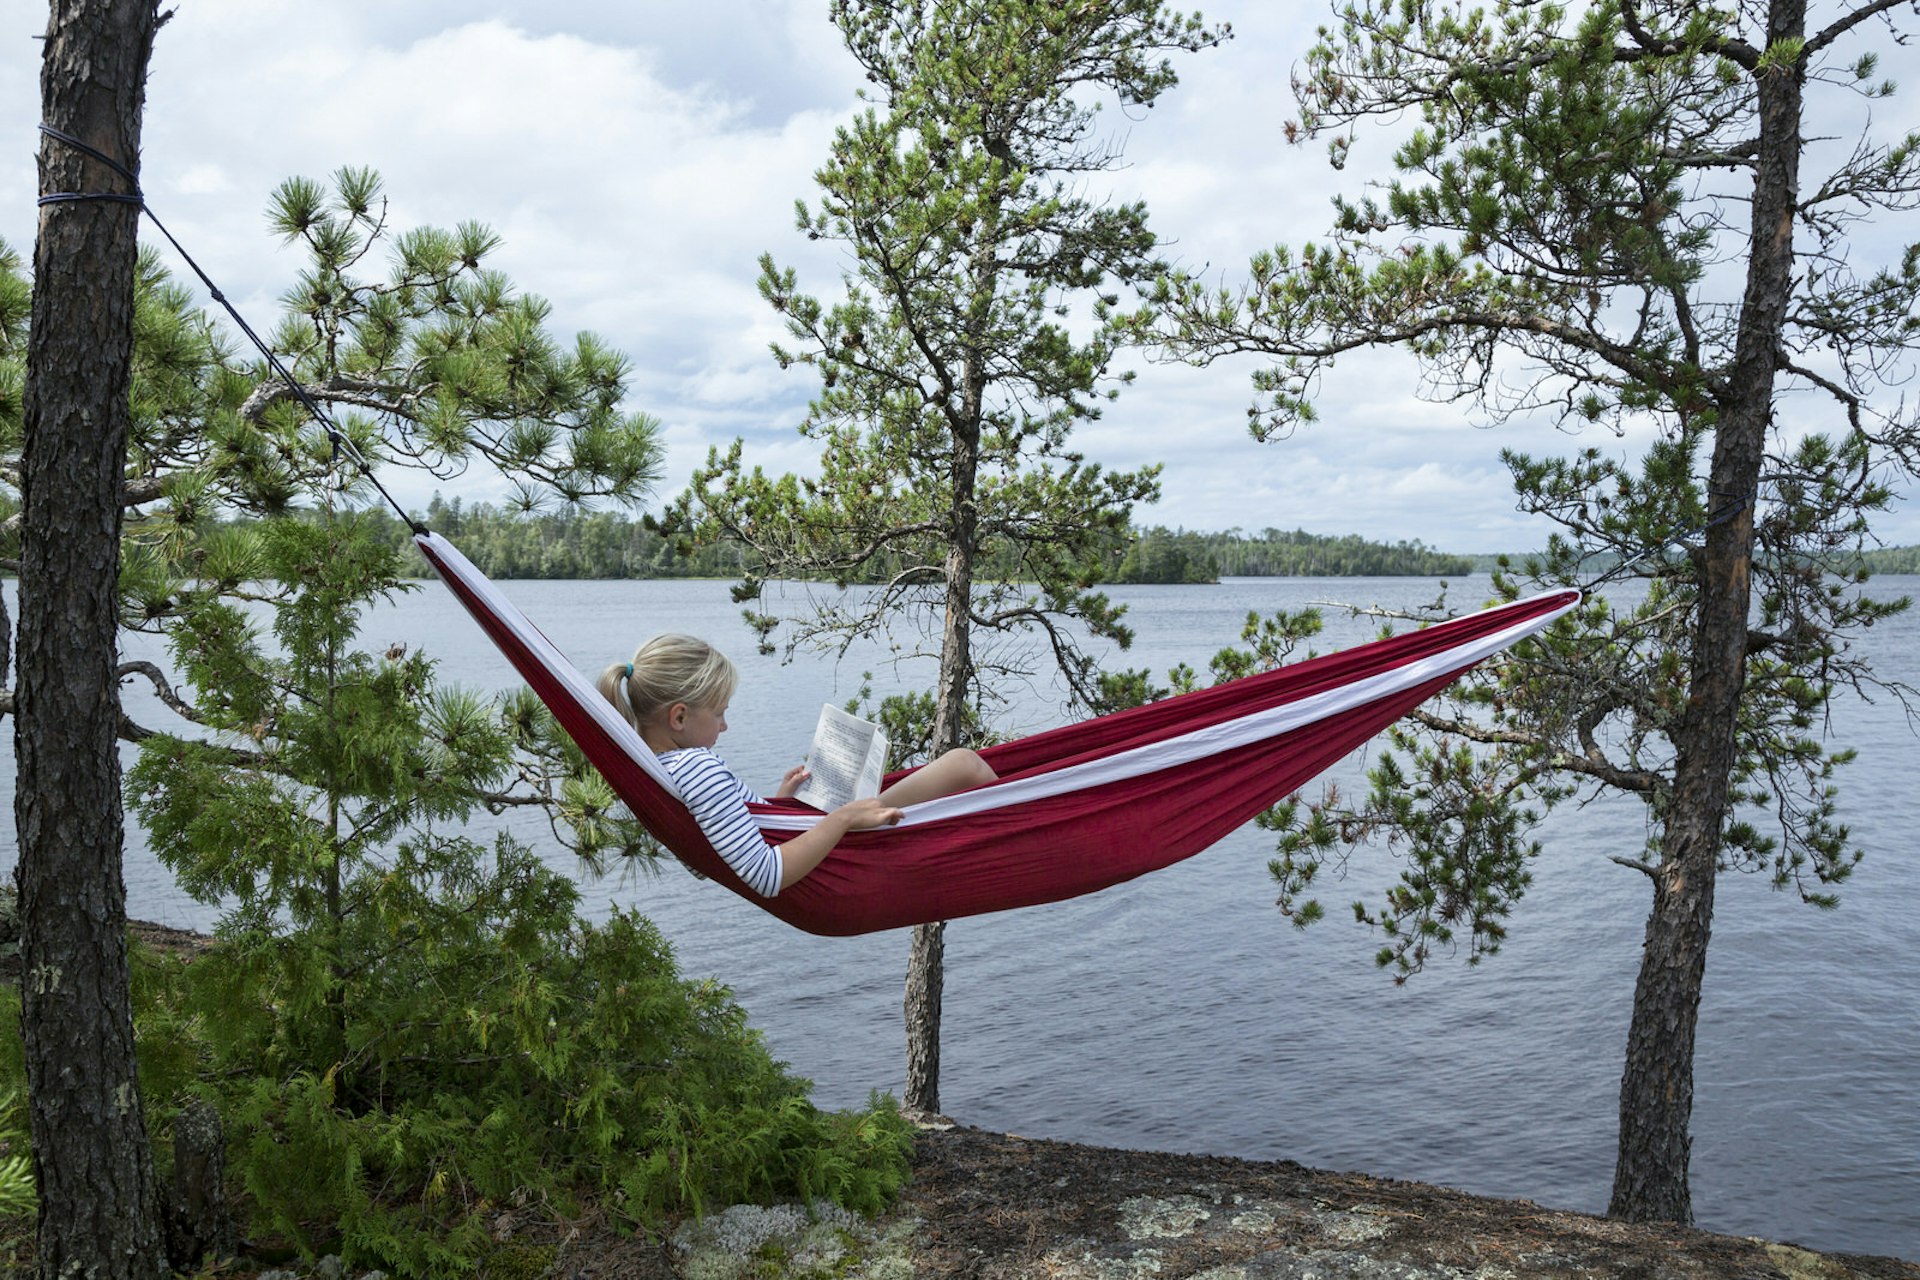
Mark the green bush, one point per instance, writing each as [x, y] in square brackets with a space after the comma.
[402, 1029]
[503, 1051]
[500, 1052]
[16, 1164]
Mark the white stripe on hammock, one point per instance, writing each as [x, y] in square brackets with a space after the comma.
[1198, 744]
[604, 713]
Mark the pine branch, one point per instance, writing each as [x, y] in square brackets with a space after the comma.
[1847, 22]
[1848, 399]
[161, 688]
[337, 389]
[1738, 51]
[1589, 762]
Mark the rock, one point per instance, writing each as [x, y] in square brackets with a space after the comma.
[1321, 1264]
[1004, 1206]
[749, 1241]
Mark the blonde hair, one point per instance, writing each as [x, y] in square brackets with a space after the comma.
[665, 670]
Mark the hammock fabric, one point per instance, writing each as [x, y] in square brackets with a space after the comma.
[1076, 809]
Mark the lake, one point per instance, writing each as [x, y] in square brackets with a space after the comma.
[1181, 1012]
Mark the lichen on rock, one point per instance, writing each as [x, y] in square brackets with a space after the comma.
[818, 1242]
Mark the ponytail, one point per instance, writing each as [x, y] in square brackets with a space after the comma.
[665, 670]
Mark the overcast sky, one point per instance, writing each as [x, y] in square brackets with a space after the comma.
[638, 158]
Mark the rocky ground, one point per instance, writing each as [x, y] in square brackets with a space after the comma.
[987, 1206]
[999, 1206]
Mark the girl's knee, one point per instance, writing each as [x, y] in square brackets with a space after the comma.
[970, 766]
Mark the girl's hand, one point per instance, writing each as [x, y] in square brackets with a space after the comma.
[795, 778]
[870, 812]
[800, 855]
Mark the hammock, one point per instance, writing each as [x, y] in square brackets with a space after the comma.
[1076, 809]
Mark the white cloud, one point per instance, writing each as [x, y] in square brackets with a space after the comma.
[638, 159]
[202, 180]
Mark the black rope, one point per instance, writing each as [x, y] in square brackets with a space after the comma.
[70, 197]
[88, 149]
[337, 437]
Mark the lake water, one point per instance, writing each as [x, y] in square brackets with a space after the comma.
[1180, 1012]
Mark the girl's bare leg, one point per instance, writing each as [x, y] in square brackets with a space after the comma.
[958, 770]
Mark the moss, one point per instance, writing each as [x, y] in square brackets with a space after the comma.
[514, 1261]
[1799, 1264]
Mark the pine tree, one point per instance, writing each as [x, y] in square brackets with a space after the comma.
[405, 1028]
[98, 1207]
[431, 360]
[950, 381]
[1603, 215]
[399, 1026]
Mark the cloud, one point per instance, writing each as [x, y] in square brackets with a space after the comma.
[638, 159]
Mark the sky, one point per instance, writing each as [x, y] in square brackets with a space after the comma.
[637, 159]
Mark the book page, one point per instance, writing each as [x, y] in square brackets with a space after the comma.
[847, 760]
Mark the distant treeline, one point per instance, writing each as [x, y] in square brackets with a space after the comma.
[575, 544]
[606, 544]
[1893, 560]
[1167, 555]
[603, 544]
[1877, 562]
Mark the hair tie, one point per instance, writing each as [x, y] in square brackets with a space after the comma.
[629, 671]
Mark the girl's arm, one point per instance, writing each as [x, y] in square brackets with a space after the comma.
[957, 770]
[804, 852]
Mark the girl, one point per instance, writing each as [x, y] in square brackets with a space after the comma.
[676, 691]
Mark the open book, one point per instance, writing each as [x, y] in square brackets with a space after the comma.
[847, 760]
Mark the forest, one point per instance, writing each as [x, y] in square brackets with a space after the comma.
[1158, 554]
[504, 543]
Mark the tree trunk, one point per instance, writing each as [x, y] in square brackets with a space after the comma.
[199, 1224]
[98, 1203]
[926, 978]
[926, 962]
[1656, 1086]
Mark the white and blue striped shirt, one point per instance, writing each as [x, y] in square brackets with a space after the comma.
[718, 801]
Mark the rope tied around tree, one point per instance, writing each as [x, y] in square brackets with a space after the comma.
[338, 438]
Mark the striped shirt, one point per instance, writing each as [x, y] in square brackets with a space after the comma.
[718, 801]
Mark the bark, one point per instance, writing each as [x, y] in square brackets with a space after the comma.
[98, 1212]
[199, 1224]
[1656, 1087]
[926, 962]
[926, 980]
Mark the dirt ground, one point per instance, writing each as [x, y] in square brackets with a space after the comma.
[992, 1205]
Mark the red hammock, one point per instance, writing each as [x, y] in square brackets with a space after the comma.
[1076, 809]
